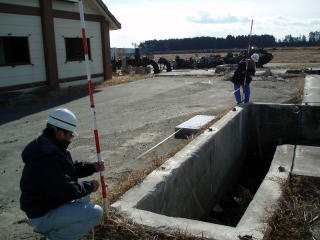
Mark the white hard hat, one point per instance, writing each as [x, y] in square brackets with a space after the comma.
[255, 57]
[63, 118]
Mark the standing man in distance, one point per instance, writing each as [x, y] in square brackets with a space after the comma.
[242, 77]
[56, 204]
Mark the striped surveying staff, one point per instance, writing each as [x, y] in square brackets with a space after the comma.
[92, 106]
[248, 55]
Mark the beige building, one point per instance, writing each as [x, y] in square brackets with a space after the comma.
[41, 45]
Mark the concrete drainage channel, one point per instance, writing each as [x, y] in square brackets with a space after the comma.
[253, 146]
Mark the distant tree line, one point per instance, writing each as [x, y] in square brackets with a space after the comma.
[240, 42]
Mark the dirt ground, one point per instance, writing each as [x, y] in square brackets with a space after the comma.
[132, 117]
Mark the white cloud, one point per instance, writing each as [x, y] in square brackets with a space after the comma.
[150, 19]
[206, 18]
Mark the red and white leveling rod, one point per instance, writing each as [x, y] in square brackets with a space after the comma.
[93, 110]
[248, 53]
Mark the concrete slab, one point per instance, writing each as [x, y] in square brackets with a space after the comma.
[279, 71]
[188, 72]
[307, 161]
[192, 125]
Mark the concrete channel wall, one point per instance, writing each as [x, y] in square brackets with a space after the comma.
[180, 192]
[285, 123]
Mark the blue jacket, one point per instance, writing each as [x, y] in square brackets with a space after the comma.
[50, 177]
[239, 74]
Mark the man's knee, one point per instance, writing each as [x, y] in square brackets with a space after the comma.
[97, 213]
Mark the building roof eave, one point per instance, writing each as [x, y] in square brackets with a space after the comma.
[114, 23]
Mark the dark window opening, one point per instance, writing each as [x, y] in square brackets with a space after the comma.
[14, 51]
[74, 49]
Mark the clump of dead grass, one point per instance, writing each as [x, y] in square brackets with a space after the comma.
[294, 215]
[120, 79]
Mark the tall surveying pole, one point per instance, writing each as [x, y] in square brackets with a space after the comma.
[248, 53]
[92, 106]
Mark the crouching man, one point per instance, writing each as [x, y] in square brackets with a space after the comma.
[56, 204]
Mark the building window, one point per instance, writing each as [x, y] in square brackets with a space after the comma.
[74, 49]
[14, 51]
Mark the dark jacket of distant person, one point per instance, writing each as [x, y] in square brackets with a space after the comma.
[239, 74]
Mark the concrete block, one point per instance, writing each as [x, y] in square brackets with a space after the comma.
[192, 125]
[307, 161]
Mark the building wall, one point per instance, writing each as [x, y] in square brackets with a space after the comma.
[20, 21]
[23, 25]
[65, 28]
[30, 3]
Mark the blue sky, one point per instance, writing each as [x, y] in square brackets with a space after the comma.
[163, 19]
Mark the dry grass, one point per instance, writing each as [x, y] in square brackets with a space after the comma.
[298, 207]
[121, 79]
[118, 226]
[295, 55]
